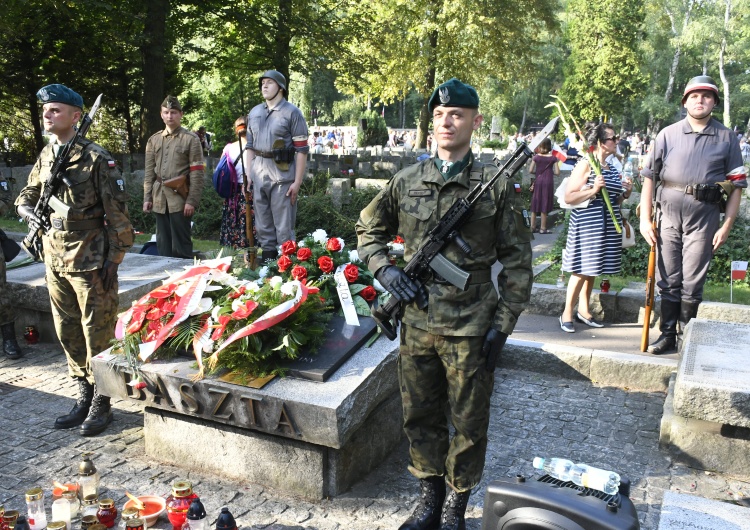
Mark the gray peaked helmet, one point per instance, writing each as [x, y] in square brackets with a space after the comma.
[276, 76]
[701, 82]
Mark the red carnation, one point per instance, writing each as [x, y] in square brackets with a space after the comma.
[325, 263]
[288, 248]
[368, 293]
[304, 254]
[284, 263]
[399, 239]
[351, 273]
[299, 273]
[333, 245]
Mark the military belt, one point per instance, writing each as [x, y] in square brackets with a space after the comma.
[264, 154]
[475, 278]
[687, 189]
[73, 226]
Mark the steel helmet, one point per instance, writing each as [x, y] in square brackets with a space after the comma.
[701, 82]
[276, 76]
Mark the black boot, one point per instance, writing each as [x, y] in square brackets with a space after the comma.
[688, 311]
[10, 344]
[426, 515]
[269, 254]
[81, 409]
[99, 416]
[667, 341]
[454, 509]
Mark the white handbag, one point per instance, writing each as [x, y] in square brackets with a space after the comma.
[628, 235]
[560, 194]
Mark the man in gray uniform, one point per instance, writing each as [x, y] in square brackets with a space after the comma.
[693, 163]
[275, 158]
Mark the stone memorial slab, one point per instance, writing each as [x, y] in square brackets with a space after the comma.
[713, 378]
[343, 340]
[680, 511]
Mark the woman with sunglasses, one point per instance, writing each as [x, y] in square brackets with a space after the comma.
[593, 246]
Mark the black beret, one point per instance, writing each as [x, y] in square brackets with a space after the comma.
[454, 93]
[60, 94]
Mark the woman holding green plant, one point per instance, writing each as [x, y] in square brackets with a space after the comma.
[594, 244]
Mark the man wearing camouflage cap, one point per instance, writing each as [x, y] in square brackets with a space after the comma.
[82, 250]
[275, 158]
[172, 153]
[449, 349]
[695, 164]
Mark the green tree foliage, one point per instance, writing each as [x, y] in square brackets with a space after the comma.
[603, 71]
[376, 132]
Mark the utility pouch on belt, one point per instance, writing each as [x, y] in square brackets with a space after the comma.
[282, 156]
[710, 193]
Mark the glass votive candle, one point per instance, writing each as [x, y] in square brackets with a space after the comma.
[107, 512]
[61, 512]
[75, 505]
[87, 521]
[90, 505]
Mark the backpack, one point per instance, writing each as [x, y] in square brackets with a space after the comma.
[225, 176]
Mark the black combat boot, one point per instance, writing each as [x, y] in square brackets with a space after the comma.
[426, 515]
[10, 344]
[269, 254]
[454, 509]
[99, 416]
[688, 311]
[667, 341]
[81, 409]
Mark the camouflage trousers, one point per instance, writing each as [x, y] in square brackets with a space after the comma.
[7, 313]
[441, 375]
[84, 315]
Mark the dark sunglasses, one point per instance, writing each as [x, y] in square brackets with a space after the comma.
[613, 138]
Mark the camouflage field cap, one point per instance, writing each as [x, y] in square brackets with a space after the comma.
[454, 93]
[60, 94]
[171, 102]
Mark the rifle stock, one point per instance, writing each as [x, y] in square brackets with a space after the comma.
[252, 253]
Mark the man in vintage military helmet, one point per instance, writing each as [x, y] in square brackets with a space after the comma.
[172, 153]
[448, 350]
[275, 161]
[696, 165]
[81, 252]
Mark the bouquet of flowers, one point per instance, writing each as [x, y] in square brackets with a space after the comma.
[320, 258]
[578, 140]
[249, 327]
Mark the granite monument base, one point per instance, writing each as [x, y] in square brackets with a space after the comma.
[298, 436]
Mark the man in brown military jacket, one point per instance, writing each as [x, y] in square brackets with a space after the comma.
[82, 251]
[448, 350]
[7, 312]
[170, 153]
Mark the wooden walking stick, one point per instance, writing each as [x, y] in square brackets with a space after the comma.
[251, 250]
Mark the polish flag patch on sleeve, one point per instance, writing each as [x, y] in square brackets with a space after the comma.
[517, 187]
[111, 163]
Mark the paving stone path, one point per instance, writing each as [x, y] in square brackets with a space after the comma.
[533, 415]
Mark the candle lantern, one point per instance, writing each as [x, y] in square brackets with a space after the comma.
[90, 506]
[87, 521]
[178, 503]
[605, 285]
[88, 477]
[107, 512]
[35, 504]
[9, 519]
[225, 520]
[126, 515]
[31, 334]
[75, 505]
[196, 517]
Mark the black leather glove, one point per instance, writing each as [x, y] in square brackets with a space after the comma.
[109, 274]
[27, 214]
[494, 341]
[395, 281]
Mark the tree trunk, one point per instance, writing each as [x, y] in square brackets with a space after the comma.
[35, 121]
[282, 39]
[722, 73]
[154, 51]
[428, 87]
[523, 119]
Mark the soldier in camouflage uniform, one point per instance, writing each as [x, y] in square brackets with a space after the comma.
[7, 313]
[448, 351]
[82, 251]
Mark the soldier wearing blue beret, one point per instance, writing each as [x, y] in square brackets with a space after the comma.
[448, 350]
[82, 253]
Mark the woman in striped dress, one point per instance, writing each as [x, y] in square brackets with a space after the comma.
[593, 246]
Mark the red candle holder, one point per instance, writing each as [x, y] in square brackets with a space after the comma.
[604, 285]
[178, 503]
[31, 334]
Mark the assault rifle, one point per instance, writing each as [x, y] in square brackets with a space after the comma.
[48, 200]
[428, 260]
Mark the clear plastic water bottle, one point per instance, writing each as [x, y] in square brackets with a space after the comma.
[580, 474]
[561, 281]
[628, 171]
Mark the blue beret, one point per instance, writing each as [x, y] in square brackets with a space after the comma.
[60, 94]
[454, 93]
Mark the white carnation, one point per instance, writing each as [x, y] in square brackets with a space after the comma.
[320, 236]
[354, 256]
[276, 282]
[263, 272]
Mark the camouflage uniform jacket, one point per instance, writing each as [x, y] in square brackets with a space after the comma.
[98, 193]
[6, 195]
[168, 156]
[412, 204]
